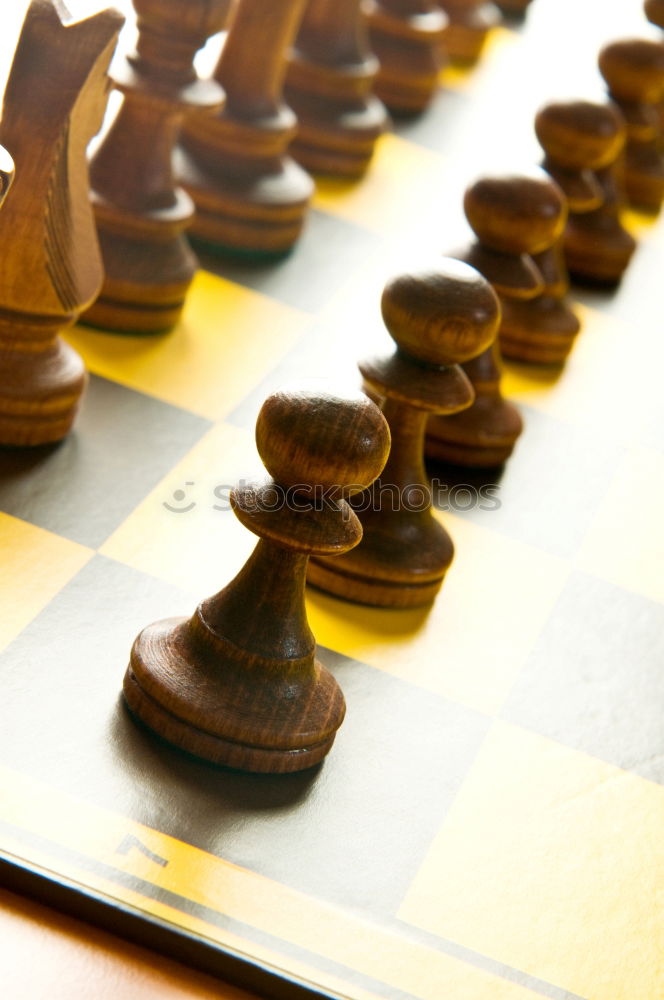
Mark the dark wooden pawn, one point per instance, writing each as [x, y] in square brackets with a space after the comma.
[407, 37]
[437, 319]
[251, 197]
[470, 22]
[582, 143]
[634, 73]
[542, 329]
[513, 217]
[141, 213]
[514, 8]
[50, 266]
[654, 11]
[329, 84]
[238, 683]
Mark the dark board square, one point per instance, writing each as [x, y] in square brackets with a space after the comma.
[594, 679]
[330, 248]
[534, 498]
[353, 830]
[84, 488]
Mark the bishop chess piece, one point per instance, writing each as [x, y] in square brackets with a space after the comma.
[251, 197]
[329, 84]
[141, 213]
[437, 319]
[238, 683]
[407, 36]
[470, 22]
[634, 73]
[583, 142]
[50, 266]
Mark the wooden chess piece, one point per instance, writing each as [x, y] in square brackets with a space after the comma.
[250, 196]
[654, 11]
[141, 214]
[50, 267]
[514, 8]
[407, 37]
[238, 683]
[329, 85]
[634, 73]
[513, 217]
[582, 143]
[437, 319]
[470, 22]
[542, 329]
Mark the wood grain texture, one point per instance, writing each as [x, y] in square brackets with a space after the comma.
[407, 36]
[542, 329]
[437, 318]
[141, 213]
[329, 84]
[513, 217]
[470, 22]
[634, 73]
[50, 268]
[583, 142]
[239, 683]
[250, 195]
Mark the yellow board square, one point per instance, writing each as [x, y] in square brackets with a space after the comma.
[552, 862]
[472, 642]
[228, 339]
[394, 196]
[625, 542]
[36, 564]
[184, 531]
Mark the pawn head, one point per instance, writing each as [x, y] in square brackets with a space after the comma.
[634, 69]
[443, 315]
[315, 441]
[522, 213]
[580, 134]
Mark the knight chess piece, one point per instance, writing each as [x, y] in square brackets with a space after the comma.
[251, 197]
[329, 84]
[239, 683]
[141, 213]
[50, 267]
[582, 143]
[407, 36]
[437, 318]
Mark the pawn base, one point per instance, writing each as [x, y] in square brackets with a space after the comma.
[209, 697]
[376, 593]
[539, 331]
[482, 436]
[597, 248]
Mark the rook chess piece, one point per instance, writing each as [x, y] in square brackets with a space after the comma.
[238, 683]
[407, 37]
[470, 22]
[250, 196]
[141, 213]
[582, 142]
[50, 266]
[329, 85]
[634, 73]
[437, 319]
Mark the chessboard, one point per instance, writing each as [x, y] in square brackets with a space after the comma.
[488, 824]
